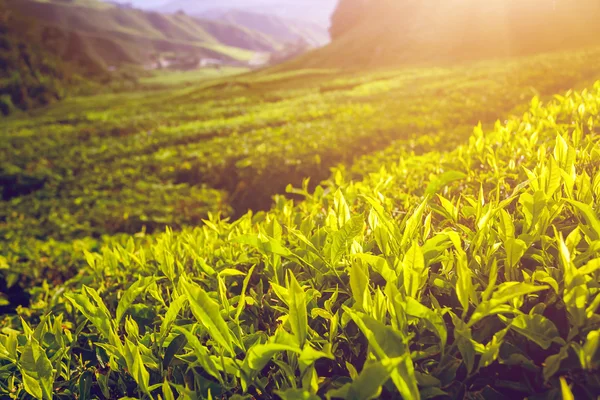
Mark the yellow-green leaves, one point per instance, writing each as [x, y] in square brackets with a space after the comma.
[564, 154]
[538, 329]
[412, 224]
[464, 284]
[468, 271]
[515, 249]
[508, 291]
[592, 223]
[202, 354]
[432, 318]
[136, 366]
[589, 353]
[131, 294]
[414, 272]
[359, 284]
[90, 304]
[36, 370]
[440, 181]
[374, 375]
[260, 354]
[208, 313]
[566, 390]
[342, 238]
[298, 317]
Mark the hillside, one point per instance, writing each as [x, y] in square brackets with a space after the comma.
[279, 29]
[386, 32]
[464, 264]
[30, 73]
[115, 36]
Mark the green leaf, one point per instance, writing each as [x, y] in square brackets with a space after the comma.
[464, 284]
[208, 313]
[310, 355]
[414, 270]
[359, 284]
[563, 153]
[171, 315]
[552, 363]
[538, 329]
[136, 366]
[590, 352]
[296, 394]
[506, 226]
[379, 265]
[554, 177]
[242, 301]
[440, 181]
[504, 293]
[384, 341]
[32, 386]
[592, 224]
[260, 354]
[344, 237]
[515, 249]
[201, 353]
[370, 380]
[176, 345]
[565, 389]
[492, 349]
[263, 243]
[92, 307]
[435, 247]
[85, 385]
[167, 392]
[36, 369]
[131, 294]
[464, 341]
[432, 319]
[298, 316]
[412, 224]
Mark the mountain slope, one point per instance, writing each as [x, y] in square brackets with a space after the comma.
[115, 36]
[388, 32]
[278, 29]
[30, 75]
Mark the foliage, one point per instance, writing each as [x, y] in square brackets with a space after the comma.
[471, 273]
[29, 76]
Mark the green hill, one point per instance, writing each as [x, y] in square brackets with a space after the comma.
[281, 30]
[30, 73]
[117, 36]
[390, 32]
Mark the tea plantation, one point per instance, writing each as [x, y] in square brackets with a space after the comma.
[439, 261]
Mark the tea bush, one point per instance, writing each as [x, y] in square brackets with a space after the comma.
[470, 273]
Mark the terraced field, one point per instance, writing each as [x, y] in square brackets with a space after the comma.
[437, 261]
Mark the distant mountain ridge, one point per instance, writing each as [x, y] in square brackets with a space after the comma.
[116, 36]
[278, 28]
[114, 33]
[315, 11]
[373, 33]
